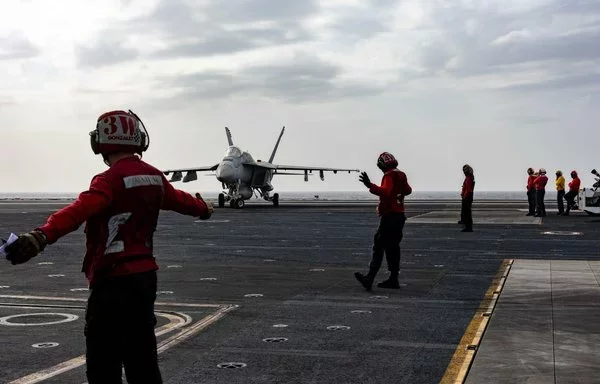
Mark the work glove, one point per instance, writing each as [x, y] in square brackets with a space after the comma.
[210, 207]
[27, 246]
[364, 178]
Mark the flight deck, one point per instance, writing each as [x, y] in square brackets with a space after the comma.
[267, 294]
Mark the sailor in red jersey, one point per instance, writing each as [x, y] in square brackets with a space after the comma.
[466, 194]
[121, 208]
[570, 196]
[394, 186]
[540, 191]
[530, 192]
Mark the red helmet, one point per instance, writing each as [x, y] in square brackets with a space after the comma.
[386, 161]
[119, 131]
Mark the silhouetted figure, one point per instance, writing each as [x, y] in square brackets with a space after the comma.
[394, 186]
[466, 194]
[560, 192]
[570, 196]
[540, 192]
[531, 191]
[121, 209]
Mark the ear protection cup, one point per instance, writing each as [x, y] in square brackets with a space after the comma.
[144, 142]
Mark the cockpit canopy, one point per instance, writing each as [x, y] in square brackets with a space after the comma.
[233, 151]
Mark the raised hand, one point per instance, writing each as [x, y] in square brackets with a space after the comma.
[364, 178]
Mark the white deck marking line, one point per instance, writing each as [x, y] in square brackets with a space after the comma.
[176, 320]
[83, 300]
[422, 214]
[186, 333]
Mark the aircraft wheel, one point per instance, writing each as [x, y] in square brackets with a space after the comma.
[239, 203]
[221, 200]
[276, 199]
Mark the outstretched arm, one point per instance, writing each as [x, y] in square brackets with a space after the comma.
[182, 202]
[89, 203]
[66, 220]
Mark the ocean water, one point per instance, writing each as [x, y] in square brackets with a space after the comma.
[317, 195]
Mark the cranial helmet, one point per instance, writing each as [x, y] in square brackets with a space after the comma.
[119, 131]
[467, 169]
[558, 172]
[573, 173]
[386, 161]
[530, 171]
[542, 171]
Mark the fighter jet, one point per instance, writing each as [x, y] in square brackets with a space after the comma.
[241, 177]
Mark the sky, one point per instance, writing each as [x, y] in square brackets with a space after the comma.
[499, 84]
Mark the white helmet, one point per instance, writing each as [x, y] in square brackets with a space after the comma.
[119, 131]
[542, 171]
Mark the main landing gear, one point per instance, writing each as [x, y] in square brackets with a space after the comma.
[233, 203]
[240, 203]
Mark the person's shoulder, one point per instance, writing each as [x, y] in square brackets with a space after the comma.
[107, 174]
[140, 166]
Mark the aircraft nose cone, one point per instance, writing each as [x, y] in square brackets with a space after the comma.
[225, 173]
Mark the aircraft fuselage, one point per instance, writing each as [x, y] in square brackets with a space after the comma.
[236, 172]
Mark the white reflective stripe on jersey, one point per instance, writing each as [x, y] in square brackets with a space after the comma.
[113, 229]
[142, 181]
[114, 247]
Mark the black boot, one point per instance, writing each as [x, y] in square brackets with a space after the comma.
[391, 282]
[366, 281]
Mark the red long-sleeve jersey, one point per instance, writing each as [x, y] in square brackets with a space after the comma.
[575, 184]
[394, 186]
[540, 182]
[121, 208]
[530, 181]
[468, 186]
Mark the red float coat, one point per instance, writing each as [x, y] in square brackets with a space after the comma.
[394, 186]
[121, 208]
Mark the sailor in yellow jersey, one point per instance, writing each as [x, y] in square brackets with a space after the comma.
[560, 191]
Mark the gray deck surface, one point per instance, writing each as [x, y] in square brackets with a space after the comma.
[297, 262]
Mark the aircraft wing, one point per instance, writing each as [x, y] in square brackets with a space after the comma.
[191, 173]
[307, 169]
[312, 168]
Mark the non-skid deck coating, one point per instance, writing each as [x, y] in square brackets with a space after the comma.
[290, 308]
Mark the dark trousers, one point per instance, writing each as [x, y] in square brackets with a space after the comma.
[540, 208]
[119, 331]
[570, 197]
[387, 240]
[466, 212]
[559, 200]
[531, 200]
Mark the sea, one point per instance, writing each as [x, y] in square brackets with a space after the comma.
[312, 196]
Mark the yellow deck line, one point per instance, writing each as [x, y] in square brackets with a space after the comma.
[457, 370]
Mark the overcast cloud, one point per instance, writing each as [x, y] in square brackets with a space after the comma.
[499, 84]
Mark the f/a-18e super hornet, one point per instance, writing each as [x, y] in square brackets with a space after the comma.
[241, 176]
